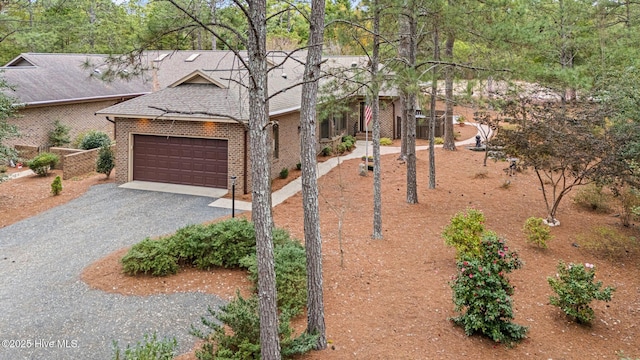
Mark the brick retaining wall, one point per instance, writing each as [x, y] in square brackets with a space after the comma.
[80, 163]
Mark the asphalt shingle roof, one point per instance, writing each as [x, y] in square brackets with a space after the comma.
[63, 78]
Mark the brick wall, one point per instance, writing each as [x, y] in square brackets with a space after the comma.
[289, 152]
[80, 163]
[35, 123]
[233, 132]
[26, 152]
[62, 152]
[389, 110]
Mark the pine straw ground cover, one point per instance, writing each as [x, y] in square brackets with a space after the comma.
[390, 298]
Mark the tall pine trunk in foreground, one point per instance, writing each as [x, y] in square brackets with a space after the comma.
[261, 184]
[375, 113]
[308, 141]
[407, 52]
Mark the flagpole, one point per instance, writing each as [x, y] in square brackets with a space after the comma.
[366, 145]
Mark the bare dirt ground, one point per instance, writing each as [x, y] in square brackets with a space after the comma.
[390, 298]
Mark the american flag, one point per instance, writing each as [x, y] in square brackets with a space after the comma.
[367, 115]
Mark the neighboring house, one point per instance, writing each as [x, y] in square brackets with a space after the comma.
[192, 131]
[62, 87]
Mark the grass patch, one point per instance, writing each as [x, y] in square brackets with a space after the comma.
[608, 243]
[592, 198]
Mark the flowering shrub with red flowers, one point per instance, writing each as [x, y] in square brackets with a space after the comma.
[482, 292]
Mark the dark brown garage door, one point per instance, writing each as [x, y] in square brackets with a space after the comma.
[180, 160]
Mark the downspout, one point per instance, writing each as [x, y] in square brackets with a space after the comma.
[245, 167]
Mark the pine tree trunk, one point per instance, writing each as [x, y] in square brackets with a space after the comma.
[432, 122]
[261, 181]
[404, 49]
[407, 51]
[308, 141]
[449, 136]
[375, 113]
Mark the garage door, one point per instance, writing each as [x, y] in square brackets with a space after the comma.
[179, 160]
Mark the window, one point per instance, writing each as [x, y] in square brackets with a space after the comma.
[325, 128]
[276, 141]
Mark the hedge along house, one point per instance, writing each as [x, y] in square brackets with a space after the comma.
[63, 87]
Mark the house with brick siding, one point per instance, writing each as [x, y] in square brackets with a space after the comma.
[64, 87]
[193, 129]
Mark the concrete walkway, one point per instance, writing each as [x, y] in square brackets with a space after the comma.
[295, 186]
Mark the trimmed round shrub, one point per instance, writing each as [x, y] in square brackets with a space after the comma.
[42, 163]
[284, 173]
[537, 232]
[465, 232]
[56, 186]
[106, 161]
[94, 139]
[386, 141]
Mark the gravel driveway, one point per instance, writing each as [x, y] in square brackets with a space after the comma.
[51, 314]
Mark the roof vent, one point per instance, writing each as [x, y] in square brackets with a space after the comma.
[192, 57]
[97, 71]
[354, 64]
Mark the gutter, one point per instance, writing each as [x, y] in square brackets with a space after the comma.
[80, 100]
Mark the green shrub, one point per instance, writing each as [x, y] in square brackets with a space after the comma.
[149, 256]
[386, 141]
[483, 293]
[536, 232]
[298, 166]
[59, 136]
[242, 342]
[78, 140]
[229, 242]
[106, 161]
[3, 169]
[575, 290]
[465, 232]
[94, 139]
[438, 141]
[327, 151]
[56, 186]
[592, 198]
[291, 274]
[341, 148]
[629, 199]
[284, 173]
[150, 349]
[349, 138]
[190, 243]
[223, 243]
[43, 162]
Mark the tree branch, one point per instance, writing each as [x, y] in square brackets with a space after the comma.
[166, 111]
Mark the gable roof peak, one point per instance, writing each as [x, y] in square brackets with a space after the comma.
[20, 61]
[198, 77]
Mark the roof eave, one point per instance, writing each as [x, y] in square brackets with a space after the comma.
[81, 100]
[117, 116]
